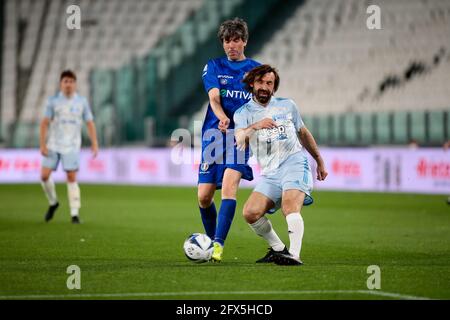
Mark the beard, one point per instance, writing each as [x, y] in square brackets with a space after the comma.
[262, 96]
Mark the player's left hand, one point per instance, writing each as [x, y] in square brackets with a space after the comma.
[224, 124]
[321, 172]
[241, 145]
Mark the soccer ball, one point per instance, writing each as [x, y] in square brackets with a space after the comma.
[198, 247]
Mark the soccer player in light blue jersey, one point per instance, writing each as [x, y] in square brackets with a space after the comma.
[278, 138]
[221, 165]
[63, 118]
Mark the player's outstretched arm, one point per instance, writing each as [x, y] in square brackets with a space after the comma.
[92, 132]
[43, 136]
[307, 140]
[216, 106]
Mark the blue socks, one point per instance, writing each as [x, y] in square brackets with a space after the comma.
[209, 216]
[226, 215]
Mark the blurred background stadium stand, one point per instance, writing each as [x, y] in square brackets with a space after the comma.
[140, 63]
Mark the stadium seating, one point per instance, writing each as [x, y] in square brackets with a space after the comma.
[366, 125]
[330, 63]
[436, 126]
[354, 86]
[112, 33]
[418, 127]
[382, 129]
[400, 127]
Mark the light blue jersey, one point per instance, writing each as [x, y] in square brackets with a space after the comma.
[66, 115]
[272, 146]
[282, 158]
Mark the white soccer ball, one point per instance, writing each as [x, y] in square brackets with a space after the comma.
[198, 247]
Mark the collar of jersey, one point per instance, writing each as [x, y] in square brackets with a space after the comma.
[257, 105]
[236, 64]
[61, 95]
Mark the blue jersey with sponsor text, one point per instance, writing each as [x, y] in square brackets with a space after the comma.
[226, 75]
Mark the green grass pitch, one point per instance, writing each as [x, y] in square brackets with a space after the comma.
[130, 247]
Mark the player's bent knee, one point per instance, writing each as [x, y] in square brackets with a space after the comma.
[290, 207]
[71, 178]
[251, 213]
[45, 176]
[205, 200]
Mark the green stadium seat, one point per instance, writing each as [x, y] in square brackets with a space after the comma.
[124, 98]
[436, 133]
[366, 120]
[212, 7]
[417, 123]
[350, 128]
[226, 7]
[187, 38]
[103, 82]
[383, 127]
[335, 123]
[323, 129]
[400, 127]
[23, 135]
[447, 124]
[203, 29]
[19, 135]
[34, 139]
[308, 121]
[176, 54]
[314, 127]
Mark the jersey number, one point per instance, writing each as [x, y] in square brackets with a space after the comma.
[269, 146]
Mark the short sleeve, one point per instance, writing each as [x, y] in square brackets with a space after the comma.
[296, 118]
[240, 118]
[49, 110]
[87, 113]
[209, 76]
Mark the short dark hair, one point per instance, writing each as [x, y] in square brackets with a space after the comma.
[233, 29]
[257, 73]
[68, 74]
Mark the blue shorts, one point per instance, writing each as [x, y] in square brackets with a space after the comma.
[293, 173]
[213, 173]
[70, 161]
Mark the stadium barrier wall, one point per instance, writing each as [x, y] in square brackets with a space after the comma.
[351, 169]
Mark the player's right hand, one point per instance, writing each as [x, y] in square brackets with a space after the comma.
[94, 149]
[44, 151]
[265, 123]
[321, 172]
[224, 123]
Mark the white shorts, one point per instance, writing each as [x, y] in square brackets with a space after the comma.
[293, 173]
[70, 161]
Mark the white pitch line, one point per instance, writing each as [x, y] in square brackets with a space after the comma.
[201, 293]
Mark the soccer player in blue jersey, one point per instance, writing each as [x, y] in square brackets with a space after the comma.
[222, 167]
[63, 118]
[278, 137]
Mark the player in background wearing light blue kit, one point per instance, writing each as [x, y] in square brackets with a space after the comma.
[277, 136]
[64, 114]
[222, 167]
